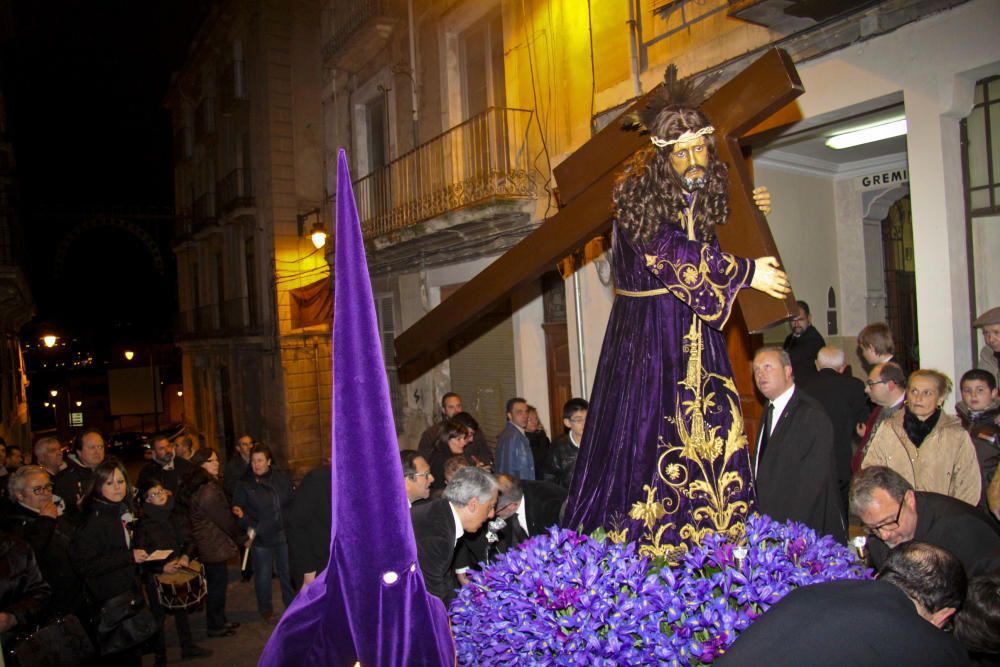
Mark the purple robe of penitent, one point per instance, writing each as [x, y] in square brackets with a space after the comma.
[664, 455]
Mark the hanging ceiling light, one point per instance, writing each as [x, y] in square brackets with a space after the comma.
[870, 133]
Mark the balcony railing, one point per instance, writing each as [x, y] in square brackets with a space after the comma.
[483, 158]
[235, 190]
[347, 18]
[203, 211]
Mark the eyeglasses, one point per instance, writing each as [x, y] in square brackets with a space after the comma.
[420, 474]
[872, 383]
[577, 420]
[39, 490]
[158, 494]
[886, 525]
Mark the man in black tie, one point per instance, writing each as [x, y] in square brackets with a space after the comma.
[794, 464]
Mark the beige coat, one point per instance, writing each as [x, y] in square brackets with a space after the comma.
[945, 463]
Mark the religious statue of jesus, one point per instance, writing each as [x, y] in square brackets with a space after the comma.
[664, 456]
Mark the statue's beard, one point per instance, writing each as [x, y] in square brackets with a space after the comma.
[694, 178]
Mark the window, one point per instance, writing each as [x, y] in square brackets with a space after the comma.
[982, 148]
[387, 334]
[482, 66]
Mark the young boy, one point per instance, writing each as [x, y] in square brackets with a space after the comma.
[567, 446]
[978, 410]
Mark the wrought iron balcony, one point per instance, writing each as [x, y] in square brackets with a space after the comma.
[235, 190]
[358, 30]
[482, 159]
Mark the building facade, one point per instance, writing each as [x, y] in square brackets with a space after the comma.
[248, 139]
[453, 116]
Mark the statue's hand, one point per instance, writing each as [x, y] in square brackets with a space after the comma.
[762, 198]
[769, 279]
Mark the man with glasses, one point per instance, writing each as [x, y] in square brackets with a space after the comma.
[893, 513]
[417, 477]
[36, 517]
[886, 387]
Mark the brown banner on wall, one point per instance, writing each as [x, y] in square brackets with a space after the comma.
[312, 304]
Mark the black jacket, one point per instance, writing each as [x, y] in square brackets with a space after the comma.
[72, 482]
[836, 623]
[308, 523]
[434, 530]
[264, 501]
[50, 540]
[802, 351]
[797, 475]
[843, 398]
[101, 554]
[235, 471]
[168, 479]
[954, 525]
[23, 592]
[163, 528]
[562, 460]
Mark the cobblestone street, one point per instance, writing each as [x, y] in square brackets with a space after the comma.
[241, 649]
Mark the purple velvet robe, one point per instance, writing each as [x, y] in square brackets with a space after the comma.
[664, 454]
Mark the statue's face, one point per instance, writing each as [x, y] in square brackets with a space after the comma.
[689, 160]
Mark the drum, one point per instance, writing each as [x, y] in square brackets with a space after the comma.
[182, 590]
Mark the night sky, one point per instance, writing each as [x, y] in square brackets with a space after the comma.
[84, 84]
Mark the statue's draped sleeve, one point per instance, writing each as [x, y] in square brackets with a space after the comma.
[700, 274]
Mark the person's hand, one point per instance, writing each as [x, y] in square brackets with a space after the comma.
[7, 621]
[463, 579]
[140, 555]
[184, 561]
[860, 429]
[50, 510]
[238, 511]
[171, 567]
[308, 578]
[762, 198]
[769, 279]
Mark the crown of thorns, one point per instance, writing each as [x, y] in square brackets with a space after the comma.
[672, 95]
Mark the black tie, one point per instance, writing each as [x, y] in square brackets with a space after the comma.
[519, 534]
[765, 433]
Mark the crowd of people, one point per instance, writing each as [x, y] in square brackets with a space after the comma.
[95, 554]
[83, 541]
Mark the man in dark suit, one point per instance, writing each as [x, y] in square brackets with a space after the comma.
[895, 514]
[896, 620]
[529, 508]
[469, 500]
[886, 387]
[843, 398]
[803, 343]
[166, 467]
[794, 462]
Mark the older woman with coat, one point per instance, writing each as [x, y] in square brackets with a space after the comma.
[215, 534]
[927, 447]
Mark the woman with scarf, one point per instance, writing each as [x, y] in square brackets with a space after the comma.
[928, 447]
[262, 500]
[105, 555]
[162, 528]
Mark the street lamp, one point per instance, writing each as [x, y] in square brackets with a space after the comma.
[49, 340]
[129, 354]
[53, 392]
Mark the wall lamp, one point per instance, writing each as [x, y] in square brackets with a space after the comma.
[316, 232]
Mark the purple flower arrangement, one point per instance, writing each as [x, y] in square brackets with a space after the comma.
[567, 599]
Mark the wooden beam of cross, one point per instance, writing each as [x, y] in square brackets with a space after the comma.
[585, 182]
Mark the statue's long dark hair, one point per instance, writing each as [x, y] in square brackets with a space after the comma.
[648, 193]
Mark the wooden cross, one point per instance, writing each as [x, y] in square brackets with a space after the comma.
[586, 180]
